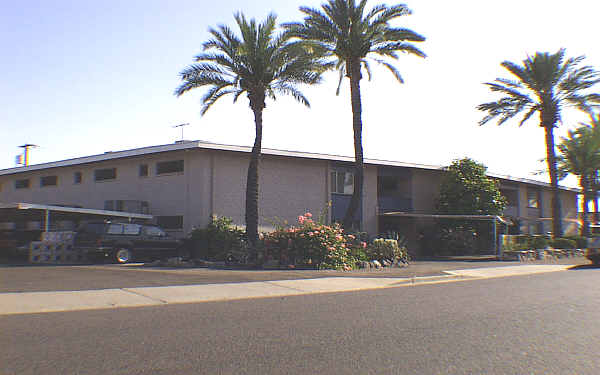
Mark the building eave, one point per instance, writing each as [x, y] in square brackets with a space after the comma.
[198, 145]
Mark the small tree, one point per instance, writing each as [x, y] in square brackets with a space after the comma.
[466, 190]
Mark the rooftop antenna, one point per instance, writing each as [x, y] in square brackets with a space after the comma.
[25, 158]
[181, 126]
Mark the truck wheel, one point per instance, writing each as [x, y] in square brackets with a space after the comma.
[123, 255]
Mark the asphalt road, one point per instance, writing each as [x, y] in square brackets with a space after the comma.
[41, 278]
[538, 324]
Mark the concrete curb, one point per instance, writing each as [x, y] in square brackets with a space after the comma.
[39, 302]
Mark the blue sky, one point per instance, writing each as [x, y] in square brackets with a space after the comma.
[84, 77]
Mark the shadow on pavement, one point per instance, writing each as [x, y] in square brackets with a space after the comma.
[583, 267]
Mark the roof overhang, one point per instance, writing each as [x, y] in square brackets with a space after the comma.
[203, 145]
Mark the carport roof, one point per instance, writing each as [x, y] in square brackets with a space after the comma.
[28, 210]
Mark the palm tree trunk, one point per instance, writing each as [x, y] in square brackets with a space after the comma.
[585, 186]
[596, 197]
[557, 230]
[252, 186]
[355, 76]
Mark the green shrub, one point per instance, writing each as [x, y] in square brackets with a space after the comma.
[382, 248]
[531, 242]
[538, 242]
[218, 240]
[580, 241]
[563, 243]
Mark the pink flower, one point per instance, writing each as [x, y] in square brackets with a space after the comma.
[308, 214]
[351, 237]
[364, 245]
[301, 219]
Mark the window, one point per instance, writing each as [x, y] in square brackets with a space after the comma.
[170, 222]
[387, 185]
[143, 170]
[533, 198]
[77, 177]
[48, 181]
[22, 184]
[154, 232]
[342, 182]
[115, 229]
[105, 174]
[113, 205]
[175, 166]
[132, 229]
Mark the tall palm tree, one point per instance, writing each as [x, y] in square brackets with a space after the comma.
[349, 36]
[260, 63]
[544, 84]
[579, 154]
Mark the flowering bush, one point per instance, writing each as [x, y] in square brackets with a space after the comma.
[311, 243]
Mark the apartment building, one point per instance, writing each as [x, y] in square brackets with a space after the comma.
[183, 184]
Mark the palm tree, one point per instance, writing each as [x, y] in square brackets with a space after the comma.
[595, 123]
[579, 154]
[544, 84]
[348, 36]
[259, 63]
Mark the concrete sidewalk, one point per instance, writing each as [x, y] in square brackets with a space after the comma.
[55, 301]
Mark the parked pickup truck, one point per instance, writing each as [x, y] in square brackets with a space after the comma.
[125, 242]
[593, 251]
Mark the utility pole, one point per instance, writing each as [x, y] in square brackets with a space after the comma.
[26, 148]
[181, 126]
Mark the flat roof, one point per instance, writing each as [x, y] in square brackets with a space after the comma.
[191, 145]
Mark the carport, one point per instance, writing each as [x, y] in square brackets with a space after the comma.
[495, 220]
[21, 213]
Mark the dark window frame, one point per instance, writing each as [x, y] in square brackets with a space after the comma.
[335, 182]
[170, 167]
[46, 181]
[24, 183]
[143, 170]
[99, 175]
[531, 198]
[77, 178]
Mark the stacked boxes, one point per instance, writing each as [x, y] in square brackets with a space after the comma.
[55, 248]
